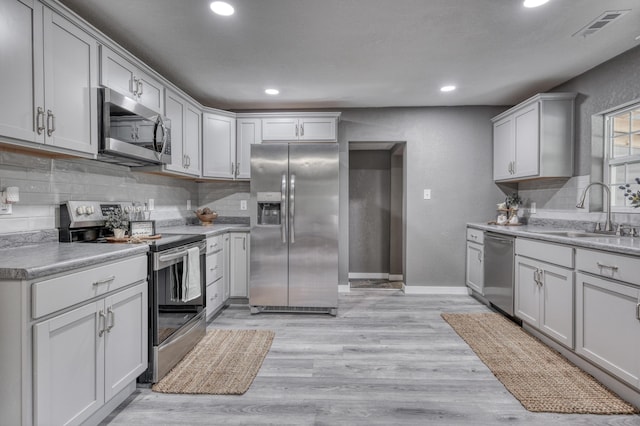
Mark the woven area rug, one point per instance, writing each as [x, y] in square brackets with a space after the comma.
[539, 377]
[224, 362]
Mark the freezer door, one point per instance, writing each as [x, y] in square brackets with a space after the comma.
[269, 236]
[313, 225]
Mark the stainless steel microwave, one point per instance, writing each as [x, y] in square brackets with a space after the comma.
[130, 133]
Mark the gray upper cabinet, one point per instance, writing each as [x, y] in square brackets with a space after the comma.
[186, 135]
[316, 127]
[49, 72]
[119, 74]
[218, 145]
[535, 139]
[249, 132]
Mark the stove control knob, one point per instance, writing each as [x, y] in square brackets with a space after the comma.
[90, 210]
[80, 210]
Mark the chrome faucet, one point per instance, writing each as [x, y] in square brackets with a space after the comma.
[608, 225]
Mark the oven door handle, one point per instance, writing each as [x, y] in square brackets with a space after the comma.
[173, 256]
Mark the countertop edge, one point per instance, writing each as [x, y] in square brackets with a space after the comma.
[621, 245]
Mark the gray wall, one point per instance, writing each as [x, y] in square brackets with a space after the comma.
[369, 211]
[448, 150]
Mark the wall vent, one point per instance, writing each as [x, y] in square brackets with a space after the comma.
[600, 22]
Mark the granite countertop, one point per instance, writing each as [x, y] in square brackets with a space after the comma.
[208, 230]
[613, 243]
[39, 260]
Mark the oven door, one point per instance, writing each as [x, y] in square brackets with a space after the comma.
[170, 312]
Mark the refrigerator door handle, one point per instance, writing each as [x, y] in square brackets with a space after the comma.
[292, 208]
[283, 214]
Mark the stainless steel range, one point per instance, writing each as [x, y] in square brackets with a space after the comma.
[176, 321]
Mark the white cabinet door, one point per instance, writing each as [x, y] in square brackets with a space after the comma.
[239, 264]
[527, 141]
[475, 267]
[49, 72]
[608, 326]
[280, 129]
[214, 298]
[126, 344]
[218, 146]
[527, 291]
[68, 366]
[175, 111]
[21, 33]
[317, 129]
[556, 304]
[122, 76]
[503, 148]
[249, 132]
[192, 139]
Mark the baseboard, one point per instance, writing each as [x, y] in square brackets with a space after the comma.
[396, 277]
[344, 288]
[413, 289]
[368, 275]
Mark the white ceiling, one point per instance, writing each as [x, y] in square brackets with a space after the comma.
[364, 53]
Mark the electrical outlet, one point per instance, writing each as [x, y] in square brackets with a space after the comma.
[188, 204]
[6, 208]
[532, 209]
[151, 205]
[427, 194]
[243, 204]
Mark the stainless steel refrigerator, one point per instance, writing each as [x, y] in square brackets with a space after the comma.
[294, 228]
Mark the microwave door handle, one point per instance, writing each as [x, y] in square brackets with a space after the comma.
[159, 123]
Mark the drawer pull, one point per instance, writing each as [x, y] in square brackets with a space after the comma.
[603, 266]
[638, 311]
[105, 281]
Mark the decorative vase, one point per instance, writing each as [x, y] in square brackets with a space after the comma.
[118, 233]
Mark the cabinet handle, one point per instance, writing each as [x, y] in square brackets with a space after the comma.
[237, 169]
[296, 130]
[302, 129]
[134, 86]
[140, 88]
[244, 243]
[101, 319]
[479, 257]
[40, 120]
[232, 168]
[638, 311]
[188, 161]
[51, 118]
[603, 266]
[104, 281]
[113, 319]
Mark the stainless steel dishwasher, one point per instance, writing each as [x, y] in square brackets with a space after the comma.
[498, 271]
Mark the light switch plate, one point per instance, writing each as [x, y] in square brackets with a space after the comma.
[427, 194]
[532, 209]
[188, 204]
[151, 205]
[6, 208]
[243, 204]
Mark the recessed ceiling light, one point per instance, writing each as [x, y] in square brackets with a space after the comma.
[222, 8]
[534, 3]
[447, 88]
[271, 91]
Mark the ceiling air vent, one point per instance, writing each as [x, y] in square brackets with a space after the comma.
[600, 22]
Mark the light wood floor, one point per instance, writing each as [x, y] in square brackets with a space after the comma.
[386, 359]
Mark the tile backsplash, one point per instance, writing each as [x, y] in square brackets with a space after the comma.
[45, 182]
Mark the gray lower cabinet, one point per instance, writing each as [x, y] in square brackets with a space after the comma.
[544, 292]
[608, 326]
[216, 271]
[474, 276]
[239, 264]
[72, 344]
[85, 357]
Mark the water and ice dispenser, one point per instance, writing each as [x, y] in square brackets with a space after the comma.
[269, 208]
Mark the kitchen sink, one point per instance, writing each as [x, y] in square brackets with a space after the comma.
[576, 234]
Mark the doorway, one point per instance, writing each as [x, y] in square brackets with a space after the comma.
[376, 215]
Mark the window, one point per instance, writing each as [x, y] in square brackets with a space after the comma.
[622, 154]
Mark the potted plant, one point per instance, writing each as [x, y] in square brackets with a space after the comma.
[117, 221]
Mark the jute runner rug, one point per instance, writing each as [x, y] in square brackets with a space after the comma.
[224, 362]
[539, 377]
